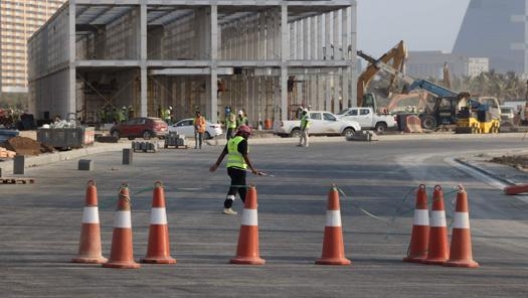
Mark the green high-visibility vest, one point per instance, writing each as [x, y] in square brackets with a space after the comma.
[305, 122]
[235, 158]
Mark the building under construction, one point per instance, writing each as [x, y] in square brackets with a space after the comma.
[266, 57]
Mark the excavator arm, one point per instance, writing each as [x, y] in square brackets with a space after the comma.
[391, 62]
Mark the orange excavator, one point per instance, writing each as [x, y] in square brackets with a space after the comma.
[391, 62]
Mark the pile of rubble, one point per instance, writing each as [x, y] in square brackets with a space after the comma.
[24, 146]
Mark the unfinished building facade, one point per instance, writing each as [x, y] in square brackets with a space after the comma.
[267, 58]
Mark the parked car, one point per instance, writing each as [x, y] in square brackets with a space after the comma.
[141, 127]
[322, 123]
[507, 115]
[186, 127]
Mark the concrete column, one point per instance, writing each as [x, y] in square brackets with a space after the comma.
[352, 50]
[212, 104]
[284, 64]
[72, 74]
[143, 110]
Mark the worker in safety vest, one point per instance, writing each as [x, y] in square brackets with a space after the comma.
[199, 130]
[237, 151]
[230, 124]
[241, 119]
[305, 124]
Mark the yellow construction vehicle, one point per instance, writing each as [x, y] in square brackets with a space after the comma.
[391, 63]
[478, 115]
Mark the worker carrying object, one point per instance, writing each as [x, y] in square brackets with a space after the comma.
[237, 151]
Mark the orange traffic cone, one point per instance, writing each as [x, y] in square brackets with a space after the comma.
[438, 245]
[158, 251]
[516, 189]
[333, 246]
[90, 243]
[417, 251]
[461, 253]
[248, 239]
[122, 252]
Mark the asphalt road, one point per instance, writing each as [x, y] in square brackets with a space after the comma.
[40, 223]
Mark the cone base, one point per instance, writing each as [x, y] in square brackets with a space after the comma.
[438, 261]
[161, 260]
[414, 260]
[89, 260]
[122, 265]
[333, 261]
[462, 263]
[247, 261]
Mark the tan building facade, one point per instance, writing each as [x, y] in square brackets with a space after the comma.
[19, 19]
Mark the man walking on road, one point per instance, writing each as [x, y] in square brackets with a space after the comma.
[305, 124]
[236, 149]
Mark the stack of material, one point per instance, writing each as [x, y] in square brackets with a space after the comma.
[4, 153]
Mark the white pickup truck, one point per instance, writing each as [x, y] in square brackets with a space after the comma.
[321, 123]
[368, 119]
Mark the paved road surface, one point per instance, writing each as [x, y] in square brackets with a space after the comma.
[40, 223]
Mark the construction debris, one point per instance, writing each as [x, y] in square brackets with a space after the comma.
[4, 153]
[26, 146]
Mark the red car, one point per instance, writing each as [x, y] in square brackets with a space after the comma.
[142, 127]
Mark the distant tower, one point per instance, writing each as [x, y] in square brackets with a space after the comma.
[497, 30]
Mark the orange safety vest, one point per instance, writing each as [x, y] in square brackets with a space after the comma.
[199, 124]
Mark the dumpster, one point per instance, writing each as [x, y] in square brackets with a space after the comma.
[64, 138]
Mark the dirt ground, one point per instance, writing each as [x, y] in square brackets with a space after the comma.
[517, 161]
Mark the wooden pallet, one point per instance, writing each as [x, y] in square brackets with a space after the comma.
[16, 180]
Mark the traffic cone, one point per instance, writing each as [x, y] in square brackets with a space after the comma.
[516, 189]
[158, 251]
[438, 251]
[248, 239]
[333, 246]
[90, 243]
[417, 251]
[461, 253]
[122, 252]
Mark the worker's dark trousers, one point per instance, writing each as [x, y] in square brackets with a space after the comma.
[229, 133]
[238, 183]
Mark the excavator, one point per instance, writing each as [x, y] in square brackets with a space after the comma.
[391, 62]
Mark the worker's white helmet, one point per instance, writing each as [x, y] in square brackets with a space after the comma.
[170, 108]
[240, 112]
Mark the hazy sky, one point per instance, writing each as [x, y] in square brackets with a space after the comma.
[422, 24]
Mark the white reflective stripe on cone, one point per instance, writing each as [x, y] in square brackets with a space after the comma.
[421, 217]
[158, 216]
[461, 220]
[333, 218]
[91, 215]
[250, 217]
[438, 219]
[122, 219]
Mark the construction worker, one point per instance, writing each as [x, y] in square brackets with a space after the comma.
[199, 129]
[167, 116]
[241, 119]
[230, 123]
[237, 151]
[305, 124]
